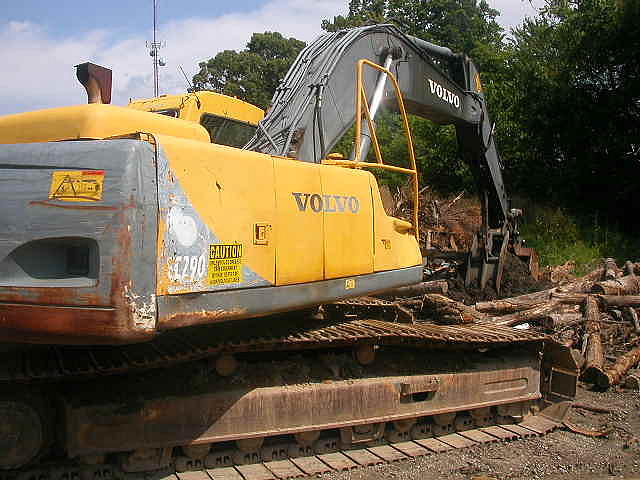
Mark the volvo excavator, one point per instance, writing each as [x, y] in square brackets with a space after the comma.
[159, 280]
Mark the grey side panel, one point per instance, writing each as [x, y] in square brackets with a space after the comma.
[186, 239]
[191, 309]
[312, 108]
[120, 230]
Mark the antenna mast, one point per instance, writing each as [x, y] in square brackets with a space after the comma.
[154, 48]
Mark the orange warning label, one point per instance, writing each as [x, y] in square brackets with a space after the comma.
[77, 185]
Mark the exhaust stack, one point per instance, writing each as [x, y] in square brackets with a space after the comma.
[96, 80]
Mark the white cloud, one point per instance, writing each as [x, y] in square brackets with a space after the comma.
[513, 11]
[38, 72]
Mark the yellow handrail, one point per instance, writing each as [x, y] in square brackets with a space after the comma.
[361, 100]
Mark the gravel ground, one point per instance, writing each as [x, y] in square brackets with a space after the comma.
[560, 455]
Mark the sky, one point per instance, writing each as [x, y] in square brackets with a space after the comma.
[41, 41]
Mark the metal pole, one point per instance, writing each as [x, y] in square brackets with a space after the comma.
[154, 47]
[376, 101]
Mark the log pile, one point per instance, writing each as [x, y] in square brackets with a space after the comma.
[597, 315]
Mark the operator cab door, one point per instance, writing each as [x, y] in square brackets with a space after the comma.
[299, 229]
[324, 226]
[348, 222]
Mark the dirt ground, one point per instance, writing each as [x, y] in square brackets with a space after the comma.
[561, 454]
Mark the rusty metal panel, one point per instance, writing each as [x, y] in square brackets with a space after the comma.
[387, 453]
[195, 475]
[456, 441]
[210, 307]
[233, 414]
[255, 472]
[500, 433]
[539, 424]
[363, 457]
[411, 449]
[434, 445]
[478, 436]
[311, 465]
[284, 469]
[115, 232]
[518, 430]
[337, 461]
[225, 473]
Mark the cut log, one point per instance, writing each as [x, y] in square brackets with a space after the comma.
[606, 300]
[532, 300]
[614, 375]
[555, 321]
[629, 285]
[435, 286]
[630, 314]
[594, 353]
[570, 298]
[410, 302]
[610, 269]
[507, 305]
[629, 267]
[447, 311]
[536, 314]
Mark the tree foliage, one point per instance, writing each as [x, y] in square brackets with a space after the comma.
[563, 89]
[467, 26]
[575, 106]
[252, 74]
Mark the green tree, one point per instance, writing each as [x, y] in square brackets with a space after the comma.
[252, 74]
[467, 26]
[575, 105]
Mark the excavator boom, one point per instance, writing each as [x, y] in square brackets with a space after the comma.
[314, 107]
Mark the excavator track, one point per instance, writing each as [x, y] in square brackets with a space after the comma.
[217, 466]
[55, 363]
[293, 397]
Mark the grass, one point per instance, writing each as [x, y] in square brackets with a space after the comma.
[559, 236]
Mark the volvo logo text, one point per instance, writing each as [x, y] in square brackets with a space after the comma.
[326, 203]
[444, 94]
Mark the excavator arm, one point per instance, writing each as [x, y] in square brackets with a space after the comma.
[314, 106]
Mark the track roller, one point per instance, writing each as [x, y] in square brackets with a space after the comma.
[25, 430]
[225, 365]
[365, 354]
[248, 451]
[483, 417]
[462, 422]
[400, 430]
[421, 430]
[443, 423]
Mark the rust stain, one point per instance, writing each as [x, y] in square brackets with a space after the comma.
[73, 207]
[185, 319]
[51, 296]
[22, 323]
[71, 316]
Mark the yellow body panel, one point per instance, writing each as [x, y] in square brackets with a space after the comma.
[231, 190]
[91, 122]
[191, 106]
[296, 222]
[298, 234]
[392, 248]
[348, 222]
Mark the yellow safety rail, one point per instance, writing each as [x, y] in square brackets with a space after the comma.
[362, 106]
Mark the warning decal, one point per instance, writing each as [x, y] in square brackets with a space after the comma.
[77, 185]
[225, 263]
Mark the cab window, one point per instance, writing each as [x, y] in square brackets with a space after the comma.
[226, 131]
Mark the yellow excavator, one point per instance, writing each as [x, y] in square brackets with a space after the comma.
[149, 255]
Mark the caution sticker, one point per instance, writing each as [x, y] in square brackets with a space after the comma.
[77, 185]
[225, 264]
